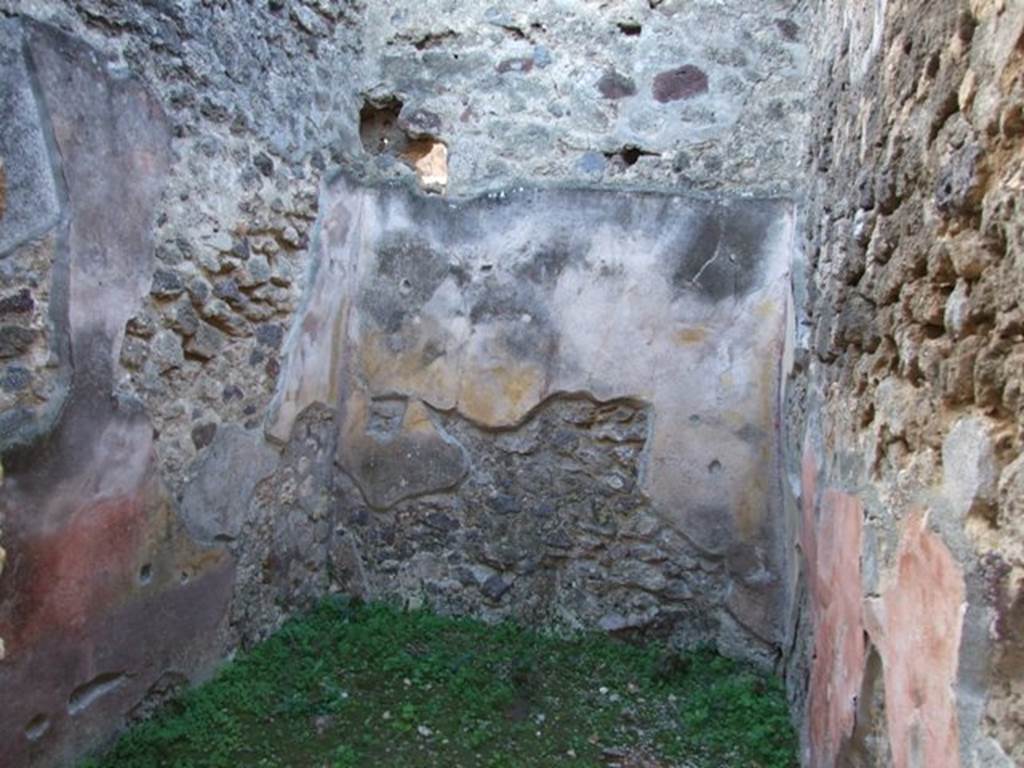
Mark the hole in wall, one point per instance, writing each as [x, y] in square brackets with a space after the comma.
[628, 156]
[429, 158]
[514, 32]
[146, 574]
[85, 695]
[37, 727]
[630, 28]
[434, 40]
[378, 125]
[384, 129]
[788, 28]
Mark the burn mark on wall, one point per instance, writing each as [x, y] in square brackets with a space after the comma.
[409, 270]
[720, 257]
[511, 299]
[547, 261]
[519, 310]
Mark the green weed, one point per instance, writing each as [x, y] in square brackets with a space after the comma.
[369, 685]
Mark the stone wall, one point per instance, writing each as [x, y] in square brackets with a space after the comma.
[102, 594]
[216, 352]
[489, 309]
[437, 328]
[905, 395]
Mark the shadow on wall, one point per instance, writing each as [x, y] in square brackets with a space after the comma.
[102, 594]
[556, 404]
[489, 311]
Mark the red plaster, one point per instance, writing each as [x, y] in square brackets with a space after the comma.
[916, 625]
[60, 578]
[832, 545]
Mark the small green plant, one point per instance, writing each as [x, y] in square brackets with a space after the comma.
[357, 685]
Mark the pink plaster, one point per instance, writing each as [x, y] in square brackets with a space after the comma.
[832, 545]
[916, 625]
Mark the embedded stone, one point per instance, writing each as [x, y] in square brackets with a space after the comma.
[18, 303]
[15, 340]
[957, 310]
[788, 28]
[495, 587]
[166, 351]
[212, 509]
[270, 335]
[203, 434]
[166, 284]
[522, 65]
[960, 183]
[186, 320]
[256, 272]
[15, 378]
[1011, 493]
[614, 85]
[683, 82]
[264, 164]
[142, 324]
[133, 352]
[198, 290]
[218, 313]
[969, 467]
[419, 123]
[206, 343]
[228, 290]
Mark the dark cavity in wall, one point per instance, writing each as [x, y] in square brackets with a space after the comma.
[387, 126]
[628, 155]
[378, 126]
[37, 727]
[85, 695]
